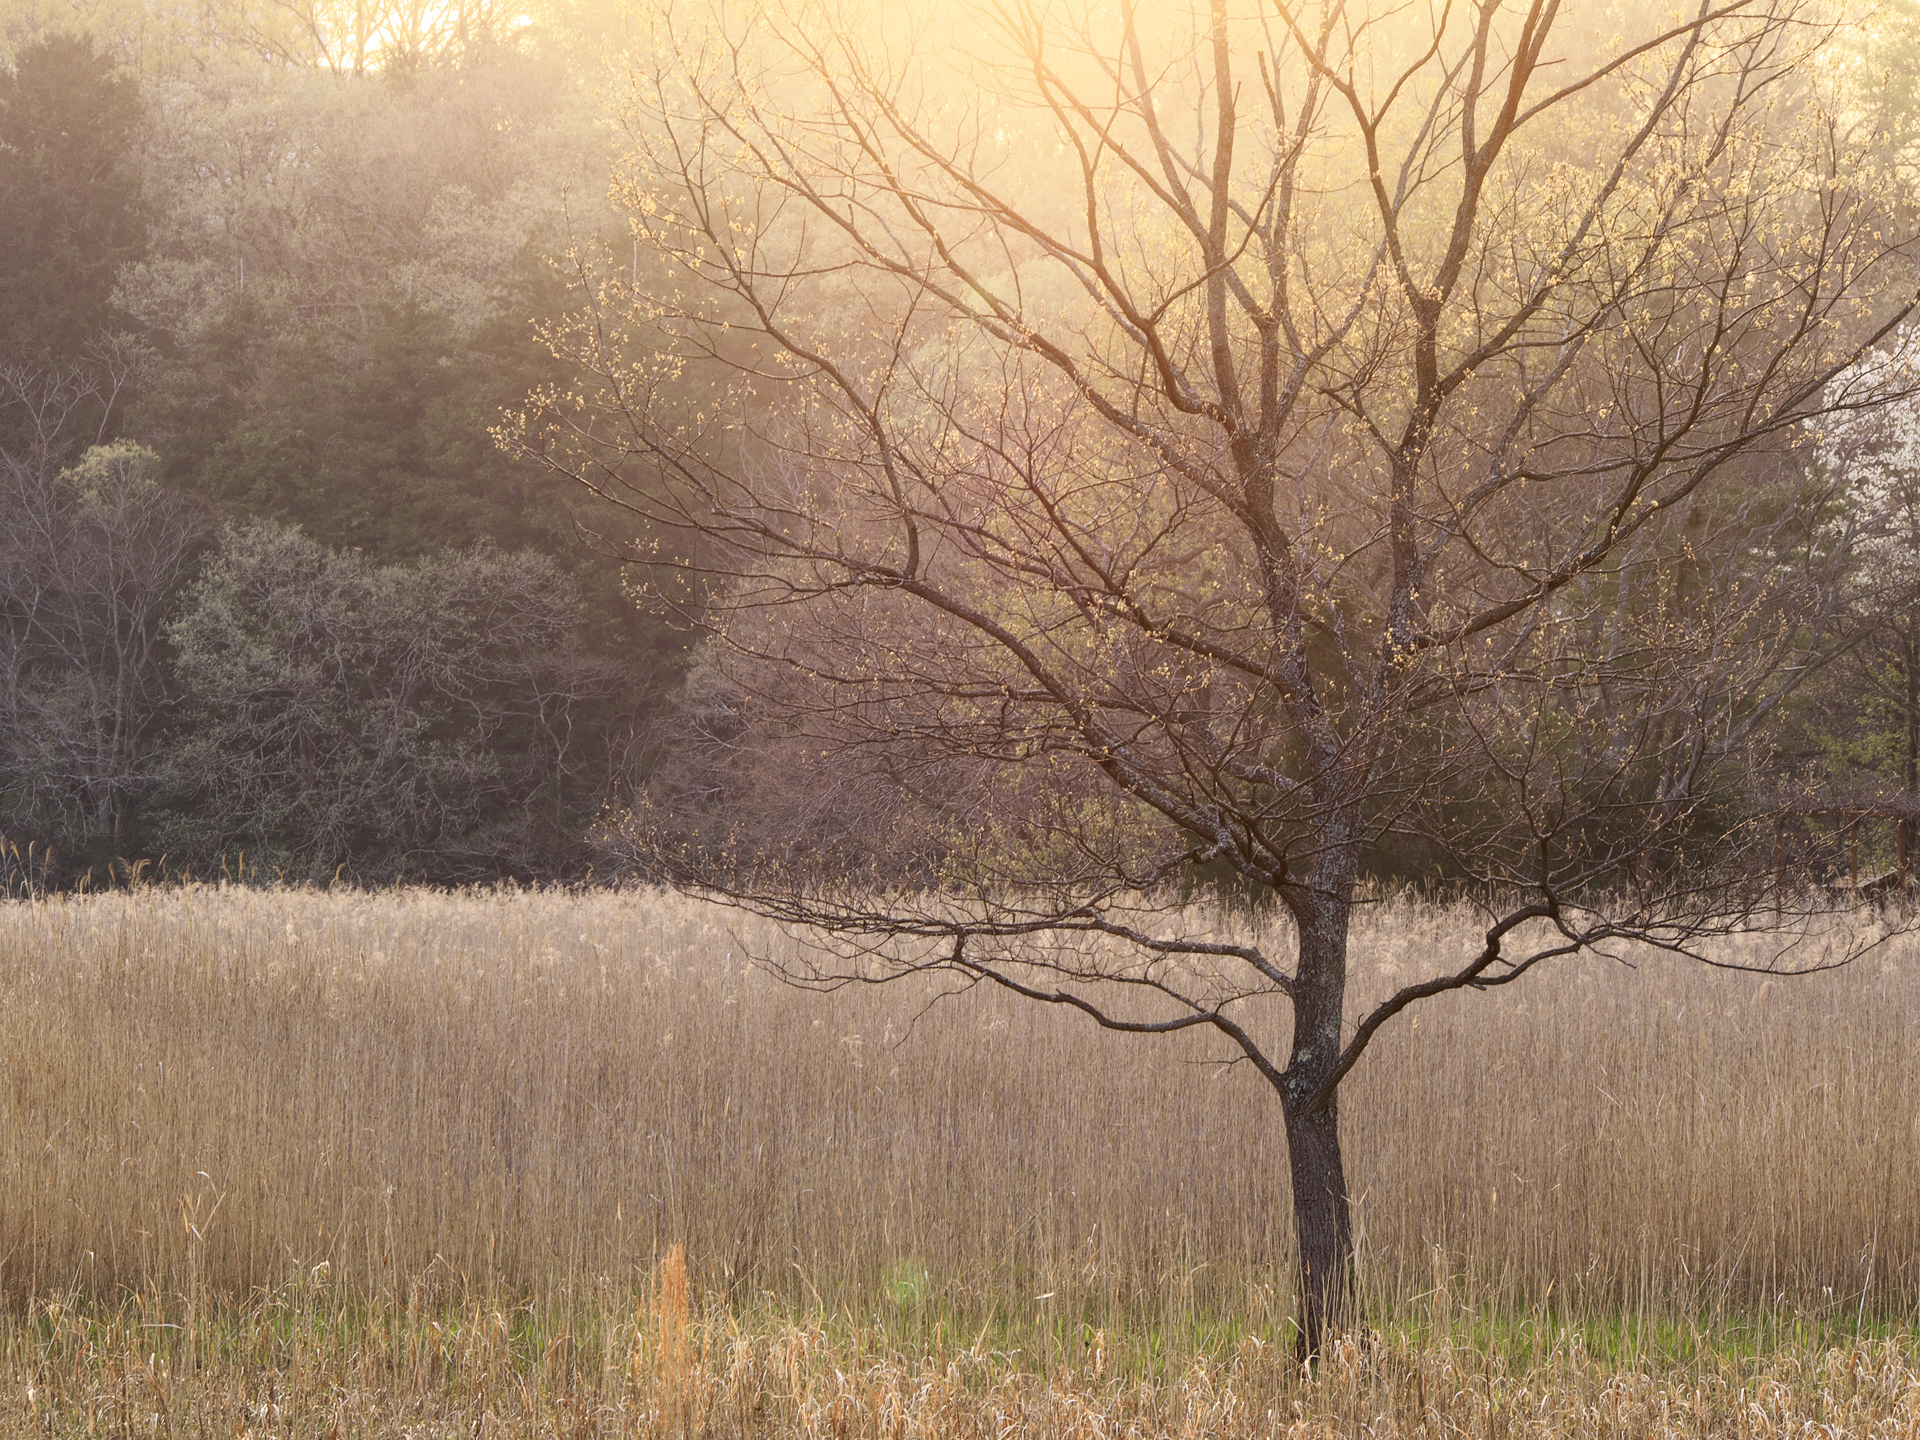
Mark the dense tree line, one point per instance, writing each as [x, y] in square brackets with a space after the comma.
[270, 594]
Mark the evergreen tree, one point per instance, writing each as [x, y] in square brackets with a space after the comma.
[70, 193]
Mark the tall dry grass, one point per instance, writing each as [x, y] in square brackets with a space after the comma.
[411, 1096]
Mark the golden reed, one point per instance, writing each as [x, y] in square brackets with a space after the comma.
[412, 1095]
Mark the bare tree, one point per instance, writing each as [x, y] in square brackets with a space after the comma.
[89, 558]
[1254, 443]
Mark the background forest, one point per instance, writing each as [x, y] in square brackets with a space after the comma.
[271, 588]
[268, 587]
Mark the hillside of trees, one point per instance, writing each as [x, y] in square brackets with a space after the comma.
[282, 590]
[272, 599]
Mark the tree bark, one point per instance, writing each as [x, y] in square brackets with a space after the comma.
[1323, 1221]
[1322, 1214]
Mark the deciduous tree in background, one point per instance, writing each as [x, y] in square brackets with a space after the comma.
[90, 556]
[1869, 717]
[1250, 445]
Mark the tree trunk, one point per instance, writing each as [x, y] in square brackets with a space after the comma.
[1910, 667]
[1322, 1221]
[1322, 1216]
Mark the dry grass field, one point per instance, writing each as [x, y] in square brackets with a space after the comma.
[284, 1370]
[408, 1159]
